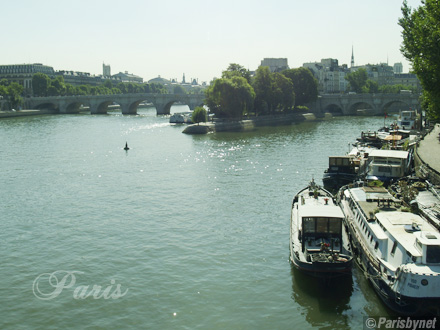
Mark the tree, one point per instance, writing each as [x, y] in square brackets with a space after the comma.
[13, 92]
[305, 85]
[263, 84]
[284, 96]
[230, 97]
[371, 87]
[421, 46]
[199, 115]
[237, 70]
[59, 85]
[40, 84]
[357, 80]
[178, 89]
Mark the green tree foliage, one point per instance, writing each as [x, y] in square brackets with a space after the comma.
[40, 84]
[59, 85]
[305, 85]
[421, 46]
[178, 89]
[237, 70]
[230, 97]
[283, 94]
[357, 80]
[371, 87]
[199, 115]
[11, 91]
[263, 84]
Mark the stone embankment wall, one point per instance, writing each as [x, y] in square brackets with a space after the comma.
[248, 124]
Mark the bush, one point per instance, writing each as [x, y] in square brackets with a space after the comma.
[199, 115]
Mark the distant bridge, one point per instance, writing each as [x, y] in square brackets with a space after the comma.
[99, 104]
[371, 104]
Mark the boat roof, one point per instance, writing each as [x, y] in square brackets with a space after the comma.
[395, 223]
[393, 138]
[316, 208]
[388, 153]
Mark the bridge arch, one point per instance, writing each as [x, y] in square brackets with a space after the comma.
[359, 108]
[395, 106]
[132, 106]
[47, 106]
[73, 107]
[164, 102]
[334, 109]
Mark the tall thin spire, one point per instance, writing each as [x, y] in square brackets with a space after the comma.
[352, 56]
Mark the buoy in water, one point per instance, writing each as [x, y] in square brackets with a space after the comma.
[126, 146]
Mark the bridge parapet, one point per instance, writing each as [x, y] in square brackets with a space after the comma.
[377, 103]
[99, 103]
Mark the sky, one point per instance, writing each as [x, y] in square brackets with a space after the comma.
[198, 38]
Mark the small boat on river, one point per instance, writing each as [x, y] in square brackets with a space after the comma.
[318, 240]
[398, 252]
[181, 118]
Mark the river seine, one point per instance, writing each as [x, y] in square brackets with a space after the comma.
[181, 231]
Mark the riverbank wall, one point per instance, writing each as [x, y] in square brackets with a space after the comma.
[251, 124]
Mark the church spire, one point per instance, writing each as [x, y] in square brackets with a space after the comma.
[352, 56]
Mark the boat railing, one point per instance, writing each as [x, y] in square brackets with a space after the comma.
[373, 260]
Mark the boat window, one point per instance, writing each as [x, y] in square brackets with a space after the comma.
[321, 225]
[433, 254]
[308, 225]
[384, 169]
[376, 245]
[335, 226]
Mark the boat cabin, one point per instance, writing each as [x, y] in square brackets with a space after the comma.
[428, 243]
[387, 164]
[321, 229]
[337, 164]
[407, 119]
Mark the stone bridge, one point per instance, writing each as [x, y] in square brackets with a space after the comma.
[368, 104]
[99, 104]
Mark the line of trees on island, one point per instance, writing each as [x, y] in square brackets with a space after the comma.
[236, 93]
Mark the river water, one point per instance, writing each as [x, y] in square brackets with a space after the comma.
[178, 232]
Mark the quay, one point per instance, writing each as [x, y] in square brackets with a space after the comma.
[251, 124]
[427, 156]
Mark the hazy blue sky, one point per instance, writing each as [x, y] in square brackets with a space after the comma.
[197, 37]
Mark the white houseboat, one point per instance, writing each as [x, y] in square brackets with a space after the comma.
[318, 240]
[399, 252]
[407, 119]
[386, 165]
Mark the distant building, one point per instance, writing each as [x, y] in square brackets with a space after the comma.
[275, 64]
[408, 79]
[77, 78]
[159, 80]
[381, 73]
[106, 71]
[23, 73]
[128, 77]
[330, 76]
[398, 68]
